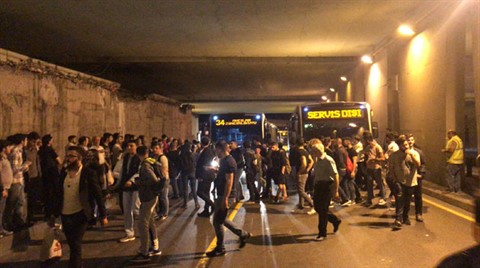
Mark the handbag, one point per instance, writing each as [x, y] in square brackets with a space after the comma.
[51, 247]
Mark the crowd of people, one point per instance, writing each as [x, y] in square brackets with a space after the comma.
[326, 171]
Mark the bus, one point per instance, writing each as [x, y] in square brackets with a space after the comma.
[332, 119]
[241, 127]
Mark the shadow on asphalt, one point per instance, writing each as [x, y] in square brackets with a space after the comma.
[281, 239]
[373, 225]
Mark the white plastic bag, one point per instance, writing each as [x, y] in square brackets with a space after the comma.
[51, 246]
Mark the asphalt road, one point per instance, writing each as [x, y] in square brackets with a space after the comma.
[281, 238]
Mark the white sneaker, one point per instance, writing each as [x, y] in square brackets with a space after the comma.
[155, 252]
[382, 202]
[347, 204]
[320, 238]
[152, 252]
[312, 212]
[127, 239]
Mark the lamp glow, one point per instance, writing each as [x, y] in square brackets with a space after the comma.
[343, 78]
[215, 117]
[406, 30]
[367, 59]
[324, 98]
[332, 89]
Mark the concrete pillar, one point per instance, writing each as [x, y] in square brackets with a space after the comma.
[358, 82]
[348, 92]
[455, 76]
[476, 63]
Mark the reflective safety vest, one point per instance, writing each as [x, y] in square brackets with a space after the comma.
[457, 155]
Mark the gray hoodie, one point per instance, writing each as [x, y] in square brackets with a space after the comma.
[146, 180]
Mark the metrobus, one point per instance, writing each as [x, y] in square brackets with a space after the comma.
[241, 127]
[332, 119]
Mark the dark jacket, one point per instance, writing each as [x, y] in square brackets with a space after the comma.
[205, 159]
[187, 162]
[146, 180]
[128, 174]
[465, 259]
[89, 185]
[173, 163]
[238, 155]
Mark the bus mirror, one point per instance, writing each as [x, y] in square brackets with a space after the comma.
[375, 129]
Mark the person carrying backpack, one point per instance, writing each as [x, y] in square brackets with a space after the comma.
[147, 182]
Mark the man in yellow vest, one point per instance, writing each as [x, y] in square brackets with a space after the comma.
[454, 153]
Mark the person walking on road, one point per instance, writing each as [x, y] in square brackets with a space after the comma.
[374, 160]
[205, 176]
[224, 183]
[325, 174]
[77, 183]
[304, 164]
[146, 183]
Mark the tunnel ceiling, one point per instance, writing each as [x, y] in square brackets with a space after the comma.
[208, 51]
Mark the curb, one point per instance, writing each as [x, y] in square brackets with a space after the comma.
[462, 200]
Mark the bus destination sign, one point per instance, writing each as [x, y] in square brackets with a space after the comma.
[236, 122]
[335, 114]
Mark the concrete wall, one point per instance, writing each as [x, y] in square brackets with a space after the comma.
[417, 85]
[376, 92]
[30, 102]
[154, 118]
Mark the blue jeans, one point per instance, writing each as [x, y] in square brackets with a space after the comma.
[237, 190]
[302, 195]
[374, 174]
[131, 206]
[189, 179]
[344, 189]
[14, 206]
[163, 202]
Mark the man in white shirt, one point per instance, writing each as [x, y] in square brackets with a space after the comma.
[325, 173]
[77, 183]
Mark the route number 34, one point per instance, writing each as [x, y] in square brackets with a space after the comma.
[220, 122]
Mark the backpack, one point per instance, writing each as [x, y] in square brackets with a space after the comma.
[349, 164]
[157, 169]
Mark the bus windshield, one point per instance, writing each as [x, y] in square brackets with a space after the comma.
[334, 128]
[239, 134]
[335, 119]
[237, 127]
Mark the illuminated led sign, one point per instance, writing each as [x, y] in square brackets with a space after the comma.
[236, 122]
[335, 114]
